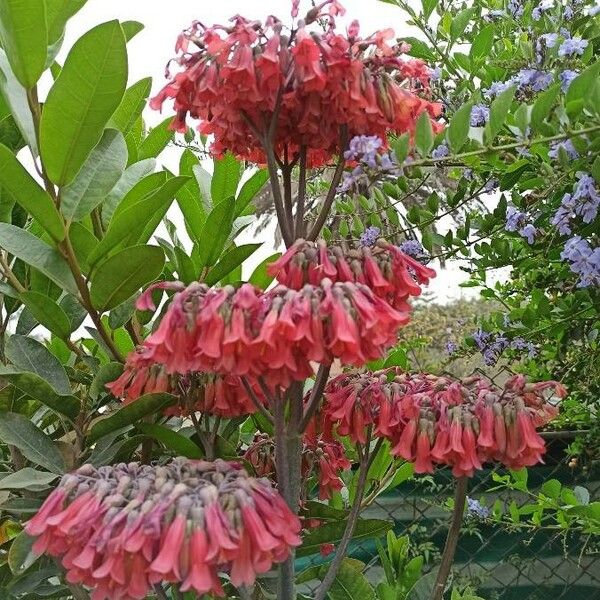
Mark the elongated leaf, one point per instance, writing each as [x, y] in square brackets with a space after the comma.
[543, 105]
[48, 313]
[249, 190]
[16, 98]
[58, 12]
[229, 261]
[171, 439]
[350, 583]
[27, 479]
[458, 130]
[35, 445]
[27, 192]
[189, 197]
[582, 84]
[20, 554]
[124, 273]
[226, 177]
[156, 141]
[331, 533]
[24, 38]
[107, 373]
[483, 42]
[460, 22]
[260, 278]
[83, 242]
[99, 174]
[215, 232]
[130, 414]
[131, 106]
[131, 29]
[499, 111]
[30, 355]
[33, 385]
[82, 100]
[424, 134]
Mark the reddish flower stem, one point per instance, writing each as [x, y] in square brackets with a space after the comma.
[299, 228]
[460, 495]
[315, 395]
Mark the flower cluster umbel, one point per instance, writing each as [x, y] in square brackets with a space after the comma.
[123, 528]
[251, 82]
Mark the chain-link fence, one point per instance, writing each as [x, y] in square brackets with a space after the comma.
[525, 563]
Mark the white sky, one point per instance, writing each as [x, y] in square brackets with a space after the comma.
[150, 50]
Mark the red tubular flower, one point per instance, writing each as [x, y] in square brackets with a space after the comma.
[236, 78]
[118, 530]
[390, 273]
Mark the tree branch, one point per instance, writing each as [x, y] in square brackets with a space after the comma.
[315, 395]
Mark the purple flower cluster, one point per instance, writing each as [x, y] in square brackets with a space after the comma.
[567, 146]
[476, 509]
[515, 8]
[583, 202]
[572, 47]
[585, 261]
[451, 347]
[364, 148]
[566, 77]
[518, 221]
[369, 236]
[541, 8]
[440, 151]
[480, 115]
[413, 248]
[534, 79]
[493, 346]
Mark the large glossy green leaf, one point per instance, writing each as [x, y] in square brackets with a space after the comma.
[17, 430]
[24, 38]
[124, 273]
[171, 439]
[48, 313]
[229, 261]
[130, 414]
[130, 225]
[225, 179]
[216, 231]
[331, 533]
[98, 176]
[31, 250]
[350, 583]
[249, 190]
[58, 12]
[27, 479]
[156, 140]
[30, 355]
[16, 98]
[28, 193]
[189, 196]
[82, 100]
[131, 106]
[20, 554]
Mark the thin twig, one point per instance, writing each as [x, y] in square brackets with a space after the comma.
[315, 395]
[257, 403]
[299, 228]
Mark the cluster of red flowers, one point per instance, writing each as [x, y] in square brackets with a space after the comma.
[430, 419]
[385, 269]
[237, 79]
[121, 529]
[211, 393]
[323, 456]
[274, 334]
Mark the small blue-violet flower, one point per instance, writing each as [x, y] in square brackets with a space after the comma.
[369, 236]
[480, 115]
[572, 46]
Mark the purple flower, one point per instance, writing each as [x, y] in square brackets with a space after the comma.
[592, 11]
[515, 219]
[548, 40]
[412, 248]
[572, 46]
[481, 338]
[568, 13]
[587, 197]
[542, 7]
[491, 185]
[369, 236]
[353, 179]
[440, 152]
[476, 509]
[496, 89]
[480, 115]
[515, 8]
[362, 146]
[494, 15]
[468, 174]
[535, 79]
[566, 77]
[562, 217]
[451, 347]
[528, 232]
[567, 146]
[585, 261]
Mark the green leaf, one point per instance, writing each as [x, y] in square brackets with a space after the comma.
[171, 439]
[229, 261]
[428, 7]
[460, 22]
[131, 29]
[30, 355]
[123, 274]
[216, 231]
[249, 190]
[140, 211]
[82, 100]
[225, 179]
[35, 445]
[543, 105]
[596, 170]
[331, 533]
[350, 583]
[20, 554]
[424, 134]
[107, 373]
[156, 141]
[83, 242]
[551, 488]
[36, 387]
[401, 147]
[16, 98]
[48, 313]
[26, 191]
[27, 479]
[582, 84]
[24, 38]
[132, 104]
[423, 588]
[482, 43]
[58, 12]
[97, 177]
[458, 130]
[419, 49]
[130, 414]
[499, 111]
[260, 278]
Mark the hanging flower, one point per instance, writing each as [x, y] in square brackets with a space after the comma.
[388, 271]
[236, 79]
[123, 528]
